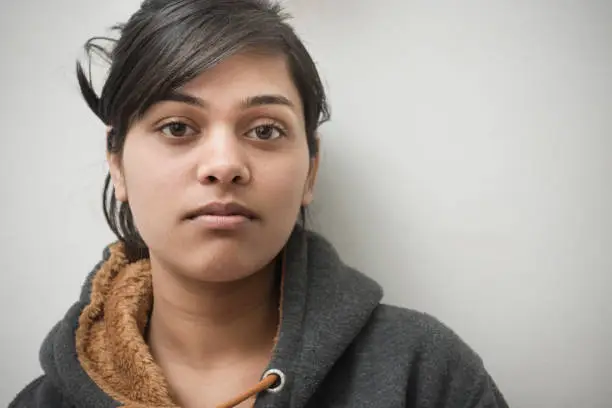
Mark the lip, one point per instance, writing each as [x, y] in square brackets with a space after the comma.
[222, 216]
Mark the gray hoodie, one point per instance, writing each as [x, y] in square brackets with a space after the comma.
[338, 347]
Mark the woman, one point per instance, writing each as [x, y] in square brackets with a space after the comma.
[215, 294]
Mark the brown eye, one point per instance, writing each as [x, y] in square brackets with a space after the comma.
[177, 130]
[266, 132]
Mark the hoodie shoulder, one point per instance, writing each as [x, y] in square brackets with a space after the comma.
[64, 383]
[39, 394]
[441, 366]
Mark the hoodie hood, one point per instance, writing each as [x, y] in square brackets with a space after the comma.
[325, 305]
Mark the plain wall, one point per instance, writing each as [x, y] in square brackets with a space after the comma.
[466, 169]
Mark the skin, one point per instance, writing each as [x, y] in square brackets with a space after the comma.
[216, 311]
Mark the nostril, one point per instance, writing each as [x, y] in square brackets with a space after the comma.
[223, 174]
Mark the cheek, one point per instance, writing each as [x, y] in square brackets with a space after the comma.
[149, 184]
[284, 181]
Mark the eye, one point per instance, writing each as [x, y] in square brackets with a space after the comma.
[268, 131]
[177, 129]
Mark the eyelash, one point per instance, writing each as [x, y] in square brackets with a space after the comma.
[270, 123]
[174, 122]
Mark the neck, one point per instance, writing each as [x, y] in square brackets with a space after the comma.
[207, 325]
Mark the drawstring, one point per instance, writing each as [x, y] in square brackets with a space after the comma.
[266, 383]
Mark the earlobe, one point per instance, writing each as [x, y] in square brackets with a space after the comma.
[117, 177]
[308, 196]
[312, 178]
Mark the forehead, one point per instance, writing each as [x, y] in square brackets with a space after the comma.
[243, 76]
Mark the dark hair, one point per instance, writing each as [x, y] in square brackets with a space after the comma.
[167, 43]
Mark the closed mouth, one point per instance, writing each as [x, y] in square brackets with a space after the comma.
[219, 209]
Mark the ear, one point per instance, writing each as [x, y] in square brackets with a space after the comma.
[117, 176]
[312, 176]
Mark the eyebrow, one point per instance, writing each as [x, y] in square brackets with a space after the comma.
[175, 96]
[262, 100]
[250, 102]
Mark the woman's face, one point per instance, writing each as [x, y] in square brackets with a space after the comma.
[215, 175]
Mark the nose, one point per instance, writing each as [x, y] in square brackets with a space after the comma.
[222, 160]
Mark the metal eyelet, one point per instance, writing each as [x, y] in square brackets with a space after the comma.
[278, 386]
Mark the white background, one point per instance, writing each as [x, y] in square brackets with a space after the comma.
[466, 169]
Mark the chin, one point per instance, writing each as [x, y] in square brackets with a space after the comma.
[223, 267]
[217, 258]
